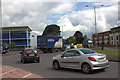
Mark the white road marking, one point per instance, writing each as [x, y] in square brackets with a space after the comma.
[27, 75]
[8, 71]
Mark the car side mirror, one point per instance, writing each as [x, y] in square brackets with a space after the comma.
[62, 56]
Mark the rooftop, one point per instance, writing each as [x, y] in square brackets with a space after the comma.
[107, 31]
[115, 27]
[14, 27]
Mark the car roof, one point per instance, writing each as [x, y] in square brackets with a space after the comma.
[79, 49]
[28, 48]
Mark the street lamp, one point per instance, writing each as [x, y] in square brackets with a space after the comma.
[62, 29]
[95, 18]
[1, 26]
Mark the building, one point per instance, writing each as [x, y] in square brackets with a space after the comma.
[34, 40]
[109, 38]
[20, 35]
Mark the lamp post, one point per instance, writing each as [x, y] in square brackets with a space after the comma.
[95, 17]
[1, 26]
[62, 29]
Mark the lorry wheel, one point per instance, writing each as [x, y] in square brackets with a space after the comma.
[51, 51]
[44, 51]
[56, 50]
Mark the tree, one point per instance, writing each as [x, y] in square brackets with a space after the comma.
[12, 45]
[79, 37]
[85, 37]
[70, 40]
[51, 30]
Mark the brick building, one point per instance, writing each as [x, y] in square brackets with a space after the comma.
[109, 38]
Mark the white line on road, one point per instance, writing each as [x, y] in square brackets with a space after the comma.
[27, 75]
[8, 71]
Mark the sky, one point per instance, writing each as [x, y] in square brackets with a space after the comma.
[72, 15]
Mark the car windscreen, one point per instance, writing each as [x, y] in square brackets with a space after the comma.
[87, 51]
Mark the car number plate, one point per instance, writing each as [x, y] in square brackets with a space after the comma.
[101, 59]
[31, 54]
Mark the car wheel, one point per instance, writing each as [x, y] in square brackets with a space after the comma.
[38, 60]
[56, 65]
[21, 60]
[86, 68]
[24, 61]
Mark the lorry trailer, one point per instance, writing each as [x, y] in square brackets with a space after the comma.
[50, 43]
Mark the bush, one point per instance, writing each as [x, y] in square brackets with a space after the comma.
[17, 49]
[12, 45]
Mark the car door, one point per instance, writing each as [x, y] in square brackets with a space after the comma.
[76, 59]
[68, 59]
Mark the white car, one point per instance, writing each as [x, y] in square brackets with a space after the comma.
[85, 59]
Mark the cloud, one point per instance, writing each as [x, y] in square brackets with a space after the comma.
[60, 1]
[112, 2]
[66, 24]
[119, 14]
[36, 32]
[66, 7]
[35, 13]
[31, 14]
[84, 20]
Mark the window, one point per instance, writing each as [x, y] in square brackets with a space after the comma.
[71, 53]
[118, 30]
[117, 43]
[76, 53]
[5, 35]
[87, 51]
[112, 37]
[116, 37]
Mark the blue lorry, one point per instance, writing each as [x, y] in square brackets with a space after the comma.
[50, 43]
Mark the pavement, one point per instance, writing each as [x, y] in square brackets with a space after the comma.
[45, 69]
[12, 72]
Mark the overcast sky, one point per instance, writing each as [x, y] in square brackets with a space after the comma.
[72, 15]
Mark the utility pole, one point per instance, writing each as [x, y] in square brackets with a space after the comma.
[62, 29]
[1, 38]
[95, 19]
[1, 26]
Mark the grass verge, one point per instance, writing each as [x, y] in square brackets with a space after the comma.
[16, 49]
[109, 52]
